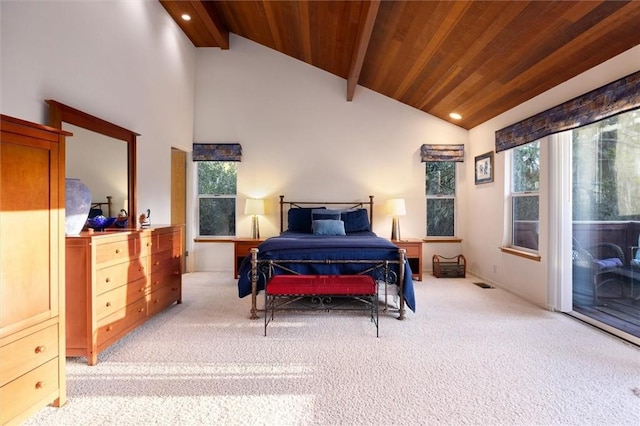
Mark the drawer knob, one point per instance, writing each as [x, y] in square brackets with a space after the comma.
[109, 328]
[117, 251]
[108, 280]
[141, 310]
[108, 304]
[39, 385]
[40, 349]
[157, 262]
[141, 289]
[141, 269]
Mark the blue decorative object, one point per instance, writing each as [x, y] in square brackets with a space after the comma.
[99, 223]
[77, 205]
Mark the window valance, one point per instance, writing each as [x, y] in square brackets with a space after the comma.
[217, 152]
[614, 98]
[440, 153]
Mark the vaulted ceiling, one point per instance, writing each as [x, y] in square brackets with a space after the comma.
[475, 58]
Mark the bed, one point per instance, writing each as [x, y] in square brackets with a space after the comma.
[313, 242]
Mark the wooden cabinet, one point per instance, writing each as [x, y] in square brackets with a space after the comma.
[241, 249]
[32, 361]
[116, 280]
[413, 246]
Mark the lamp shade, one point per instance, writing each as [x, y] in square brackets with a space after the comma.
[396, 207]
[254, 206]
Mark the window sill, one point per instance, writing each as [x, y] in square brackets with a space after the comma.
[442, 240]
[521, 253]
[214, 239]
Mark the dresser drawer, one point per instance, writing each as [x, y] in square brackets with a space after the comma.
[114, 276]
[114, 325]
[166, 241]
[165, 260]
[118, 298]
[119, 250]
[33, 388]
[166, 278]
[243, 248]
[28, 353]
[146, 244]
[413, 250]
[163, 297]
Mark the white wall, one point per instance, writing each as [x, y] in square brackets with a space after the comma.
[485, 223]
[125, 62]
[301, 138]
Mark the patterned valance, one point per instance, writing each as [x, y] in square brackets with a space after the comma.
[614, 98]
[441, 153]
[217, 152]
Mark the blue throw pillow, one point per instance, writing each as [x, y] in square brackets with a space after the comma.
[328, 227]
[638, 250]
[356, 220]
[607, 263]
[325, 214]
[299, 219]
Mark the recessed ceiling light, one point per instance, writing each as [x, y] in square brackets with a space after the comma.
[186, 17]
[455, 116]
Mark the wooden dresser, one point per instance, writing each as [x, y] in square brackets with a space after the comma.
[32, 361]
[116, 280]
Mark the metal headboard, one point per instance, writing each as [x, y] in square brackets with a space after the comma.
[341, 204]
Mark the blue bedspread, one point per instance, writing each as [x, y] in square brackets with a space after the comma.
[300, 246]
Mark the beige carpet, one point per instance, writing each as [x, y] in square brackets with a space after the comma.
[468, 356]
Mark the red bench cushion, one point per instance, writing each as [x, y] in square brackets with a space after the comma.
[335, 285]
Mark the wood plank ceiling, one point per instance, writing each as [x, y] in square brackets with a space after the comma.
[476, 58]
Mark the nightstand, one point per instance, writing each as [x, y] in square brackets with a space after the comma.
[241, 249]
[413, 246]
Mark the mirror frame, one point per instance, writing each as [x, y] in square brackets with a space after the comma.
[60, 113]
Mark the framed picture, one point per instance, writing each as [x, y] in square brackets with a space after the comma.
[484, 168]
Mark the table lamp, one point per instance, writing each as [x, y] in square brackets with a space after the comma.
[254, 207]
[395, 207]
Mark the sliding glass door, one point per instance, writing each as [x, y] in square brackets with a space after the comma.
[605, 221]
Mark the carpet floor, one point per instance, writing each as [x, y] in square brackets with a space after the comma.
[468, 356]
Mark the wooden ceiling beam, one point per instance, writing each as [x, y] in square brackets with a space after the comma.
[213, 25]
[365, 28]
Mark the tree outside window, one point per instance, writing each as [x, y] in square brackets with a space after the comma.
[525, 200]
[440, 193]
[217, 184]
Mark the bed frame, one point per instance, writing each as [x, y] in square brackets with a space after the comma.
[380, 270]
[286, 205]
[99, 205]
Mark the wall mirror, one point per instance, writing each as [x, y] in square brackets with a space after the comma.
[102, 155]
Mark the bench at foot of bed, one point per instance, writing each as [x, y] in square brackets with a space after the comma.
[321, 289]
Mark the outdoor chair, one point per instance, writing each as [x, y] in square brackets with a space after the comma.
[599, 264]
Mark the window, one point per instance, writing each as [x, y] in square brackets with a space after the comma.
[441, 198]
[525, 200]
[217, 198]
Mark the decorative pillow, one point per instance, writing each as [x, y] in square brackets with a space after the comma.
[328, 227]
[638, 250]
[356, 220]
[322, 214]
[299, 219]
[607, 263]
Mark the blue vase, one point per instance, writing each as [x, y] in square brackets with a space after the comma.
[77, 204]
